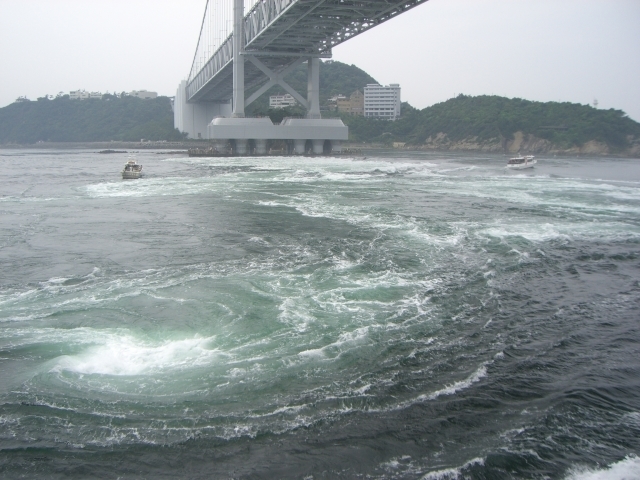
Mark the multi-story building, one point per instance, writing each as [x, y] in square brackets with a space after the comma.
[82, 95]
[78, 95]
[353, 105]
[144, 94]
[282, 101]
[335, 98]
[382, 101]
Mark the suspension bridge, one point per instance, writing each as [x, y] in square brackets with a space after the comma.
[251, 45]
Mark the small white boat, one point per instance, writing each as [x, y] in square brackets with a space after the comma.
[521, 162]
[131, 170]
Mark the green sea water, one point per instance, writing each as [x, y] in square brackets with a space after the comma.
[404, 315]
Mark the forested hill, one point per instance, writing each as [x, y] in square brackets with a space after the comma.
[493, 123]
[131, 119]
[65, 120]
[483, 123]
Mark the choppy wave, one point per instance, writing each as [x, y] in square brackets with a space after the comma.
[453, 473]
[627, 469]
[391, 318]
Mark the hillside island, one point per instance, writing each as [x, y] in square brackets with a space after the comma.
[490, 124]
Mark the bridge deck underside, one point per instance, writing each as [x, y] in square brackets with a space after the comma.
[280, 31]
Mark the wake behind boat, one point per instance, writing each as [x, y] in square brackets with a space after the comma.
[131, 170]
[521, 162]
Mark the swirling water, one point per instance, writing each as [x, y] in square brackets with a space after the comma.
[400, 316]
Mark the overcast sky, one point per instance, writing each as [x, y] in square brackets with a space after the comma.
[547, 50]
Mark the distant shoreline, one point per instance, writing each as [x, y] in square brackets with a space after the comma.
[101, 147]
[109, 145]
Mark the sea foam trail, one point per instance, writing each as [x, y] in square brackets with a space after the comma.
[627, 469]
[453, 473]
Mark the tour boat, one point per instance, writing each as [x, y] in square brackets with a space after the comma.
[520, 162]
[131, 169]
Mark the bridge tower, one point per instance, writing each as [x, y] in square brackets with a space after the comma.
[269, 40]
[225, 123]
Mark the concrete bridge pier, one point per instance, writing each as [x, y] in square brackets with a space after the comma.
[261, 147]
[241, 146]
[318, 146]
[299, 146]
[221, 145]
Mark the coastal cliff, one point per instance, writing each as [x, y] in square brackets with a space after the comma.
[502, 125]
[524, 143]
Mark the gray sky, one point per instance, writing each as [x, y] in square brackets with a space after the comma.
[547, 50]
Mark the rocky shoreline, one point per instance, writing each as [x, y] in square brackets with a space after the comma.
[523, 143]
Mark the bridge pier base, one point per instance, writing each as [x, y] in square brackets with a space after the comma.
[295, 130]
[221, 145]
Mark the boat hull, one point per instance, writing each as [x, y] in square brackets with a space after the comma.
[522, 166]
[131, 175]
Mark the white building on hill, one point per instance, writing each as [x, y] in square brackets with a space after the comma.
[83, 95]
[382, 102]
[78, 95]
[281, 101]
[144, 94]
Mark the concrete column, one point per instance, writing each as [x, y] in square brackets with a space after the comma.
[313, 87]
[317, 146]
[221, 145]
[241, 146]
[298, 146]
[261, 147]
[336, 146]
[238, 58]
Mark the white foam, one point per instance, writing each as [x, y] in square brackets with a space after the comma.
[258, 240]
[25, 199]
[156, 187]
[475, 377]
[453, 473]
[627, 469]
[124, 355]
[344, 342]
[362, 390]
[542, 232]
[313, 353]
[633, 418]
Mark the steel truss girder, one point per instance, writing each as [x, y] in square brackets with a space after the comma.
[275, 78]
[282, 31]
